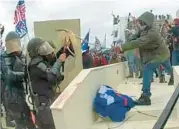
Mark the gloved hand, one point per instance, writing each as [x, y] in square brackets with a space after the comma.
[62, 57]
[61, 78]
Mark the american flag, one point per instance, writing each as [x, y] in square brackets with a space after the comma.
[97, 44]
[20, 19]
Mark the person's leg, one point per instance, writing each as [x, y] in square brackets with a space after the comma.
[147, 77]
[44, 116]
[141, 68]
[130, 66]
[168, 68]
[174, 57]
[136, 67]
[177, 57]
[161, 74]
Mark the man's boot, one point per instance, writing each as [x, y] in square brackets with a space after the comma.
[9, 121]
[162, 79]
[171, 81]
[143, 100]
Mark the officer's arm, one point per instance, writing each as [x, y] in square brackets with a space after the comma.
[15, 76]
[51, 74]
[139, 42]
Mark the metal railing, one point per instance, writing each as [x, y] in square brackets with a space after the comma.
[162, 120]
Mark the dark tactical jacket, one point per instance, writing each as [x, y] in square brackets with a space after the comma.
[13, 71]
[44, 76]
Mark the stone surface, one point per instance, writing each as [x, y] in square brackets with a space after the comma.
[73, 109]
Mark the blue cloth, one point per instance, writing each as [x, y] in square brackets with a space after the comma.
[148, 74]
[85, 46]
[109, 103]
[175, 57]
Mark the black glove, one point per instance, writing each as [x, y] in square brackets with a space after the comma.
[61, 78]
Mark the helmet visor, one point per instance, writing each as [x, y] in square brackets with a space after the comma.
[45, 49]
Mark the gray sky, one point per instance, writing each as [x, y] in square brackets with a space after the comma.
[94, 14]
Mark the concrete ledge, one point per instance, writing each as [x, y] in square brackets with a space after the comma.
[73, 108]
[172, 124]
[176, 82]
[132, 87]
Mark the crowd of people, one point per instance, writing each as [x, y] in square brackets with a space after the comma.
[146, 49]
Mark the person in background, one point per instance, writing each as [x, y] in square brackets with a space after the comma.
[131, 63]
[139, 63]
[87, 58]
[175, 33]
[103, 60]
[96, 61]
[154, 53]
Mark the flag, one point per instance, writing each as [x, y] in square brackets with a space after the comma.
[97, 44]
[2, 48]
[84, 44]
[86, 39]
[20, 19]
[104, 42]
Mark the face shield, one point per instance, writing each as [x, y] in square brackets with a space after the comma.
[13, 46]
[45, 49]
[48, 52]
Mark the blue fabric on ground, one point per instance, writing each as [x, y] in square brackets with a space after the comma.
[109, 103]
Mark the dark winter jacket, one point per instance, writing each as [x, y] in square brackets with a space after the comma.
[150, 43]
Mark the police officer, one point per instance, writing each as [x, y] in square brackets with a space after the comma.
[8, 116]
[44, 71]
[14, 76]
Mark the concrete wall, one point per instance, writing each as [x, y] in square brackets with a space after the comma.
[176, 82]
[73, 108]
[47, 30]
[176, 75]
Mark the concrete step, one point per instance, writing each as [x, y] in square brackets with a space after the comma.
[171, 124]
[161, 94]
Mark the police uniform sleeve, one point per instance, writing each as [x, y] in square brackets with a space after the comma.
[15, 76]
[52, 74]
[11, 75]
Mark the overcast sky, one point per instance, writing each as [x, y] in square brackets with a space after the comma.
[94, 14]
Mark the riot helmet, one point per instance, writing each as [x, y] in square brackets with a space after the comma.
[39, 47]
[13, 43]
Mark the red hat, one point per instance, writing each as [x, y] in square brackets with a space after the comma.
[176, 21]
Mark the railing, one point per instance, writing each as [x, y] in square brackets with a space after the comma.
[161, 122]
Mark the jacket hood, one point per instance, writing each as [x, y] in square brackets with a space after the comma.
[147, 18]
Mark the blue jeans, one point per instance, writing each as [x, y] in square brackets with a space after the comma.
[132, 63]
[175, 57]
[148, 74]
